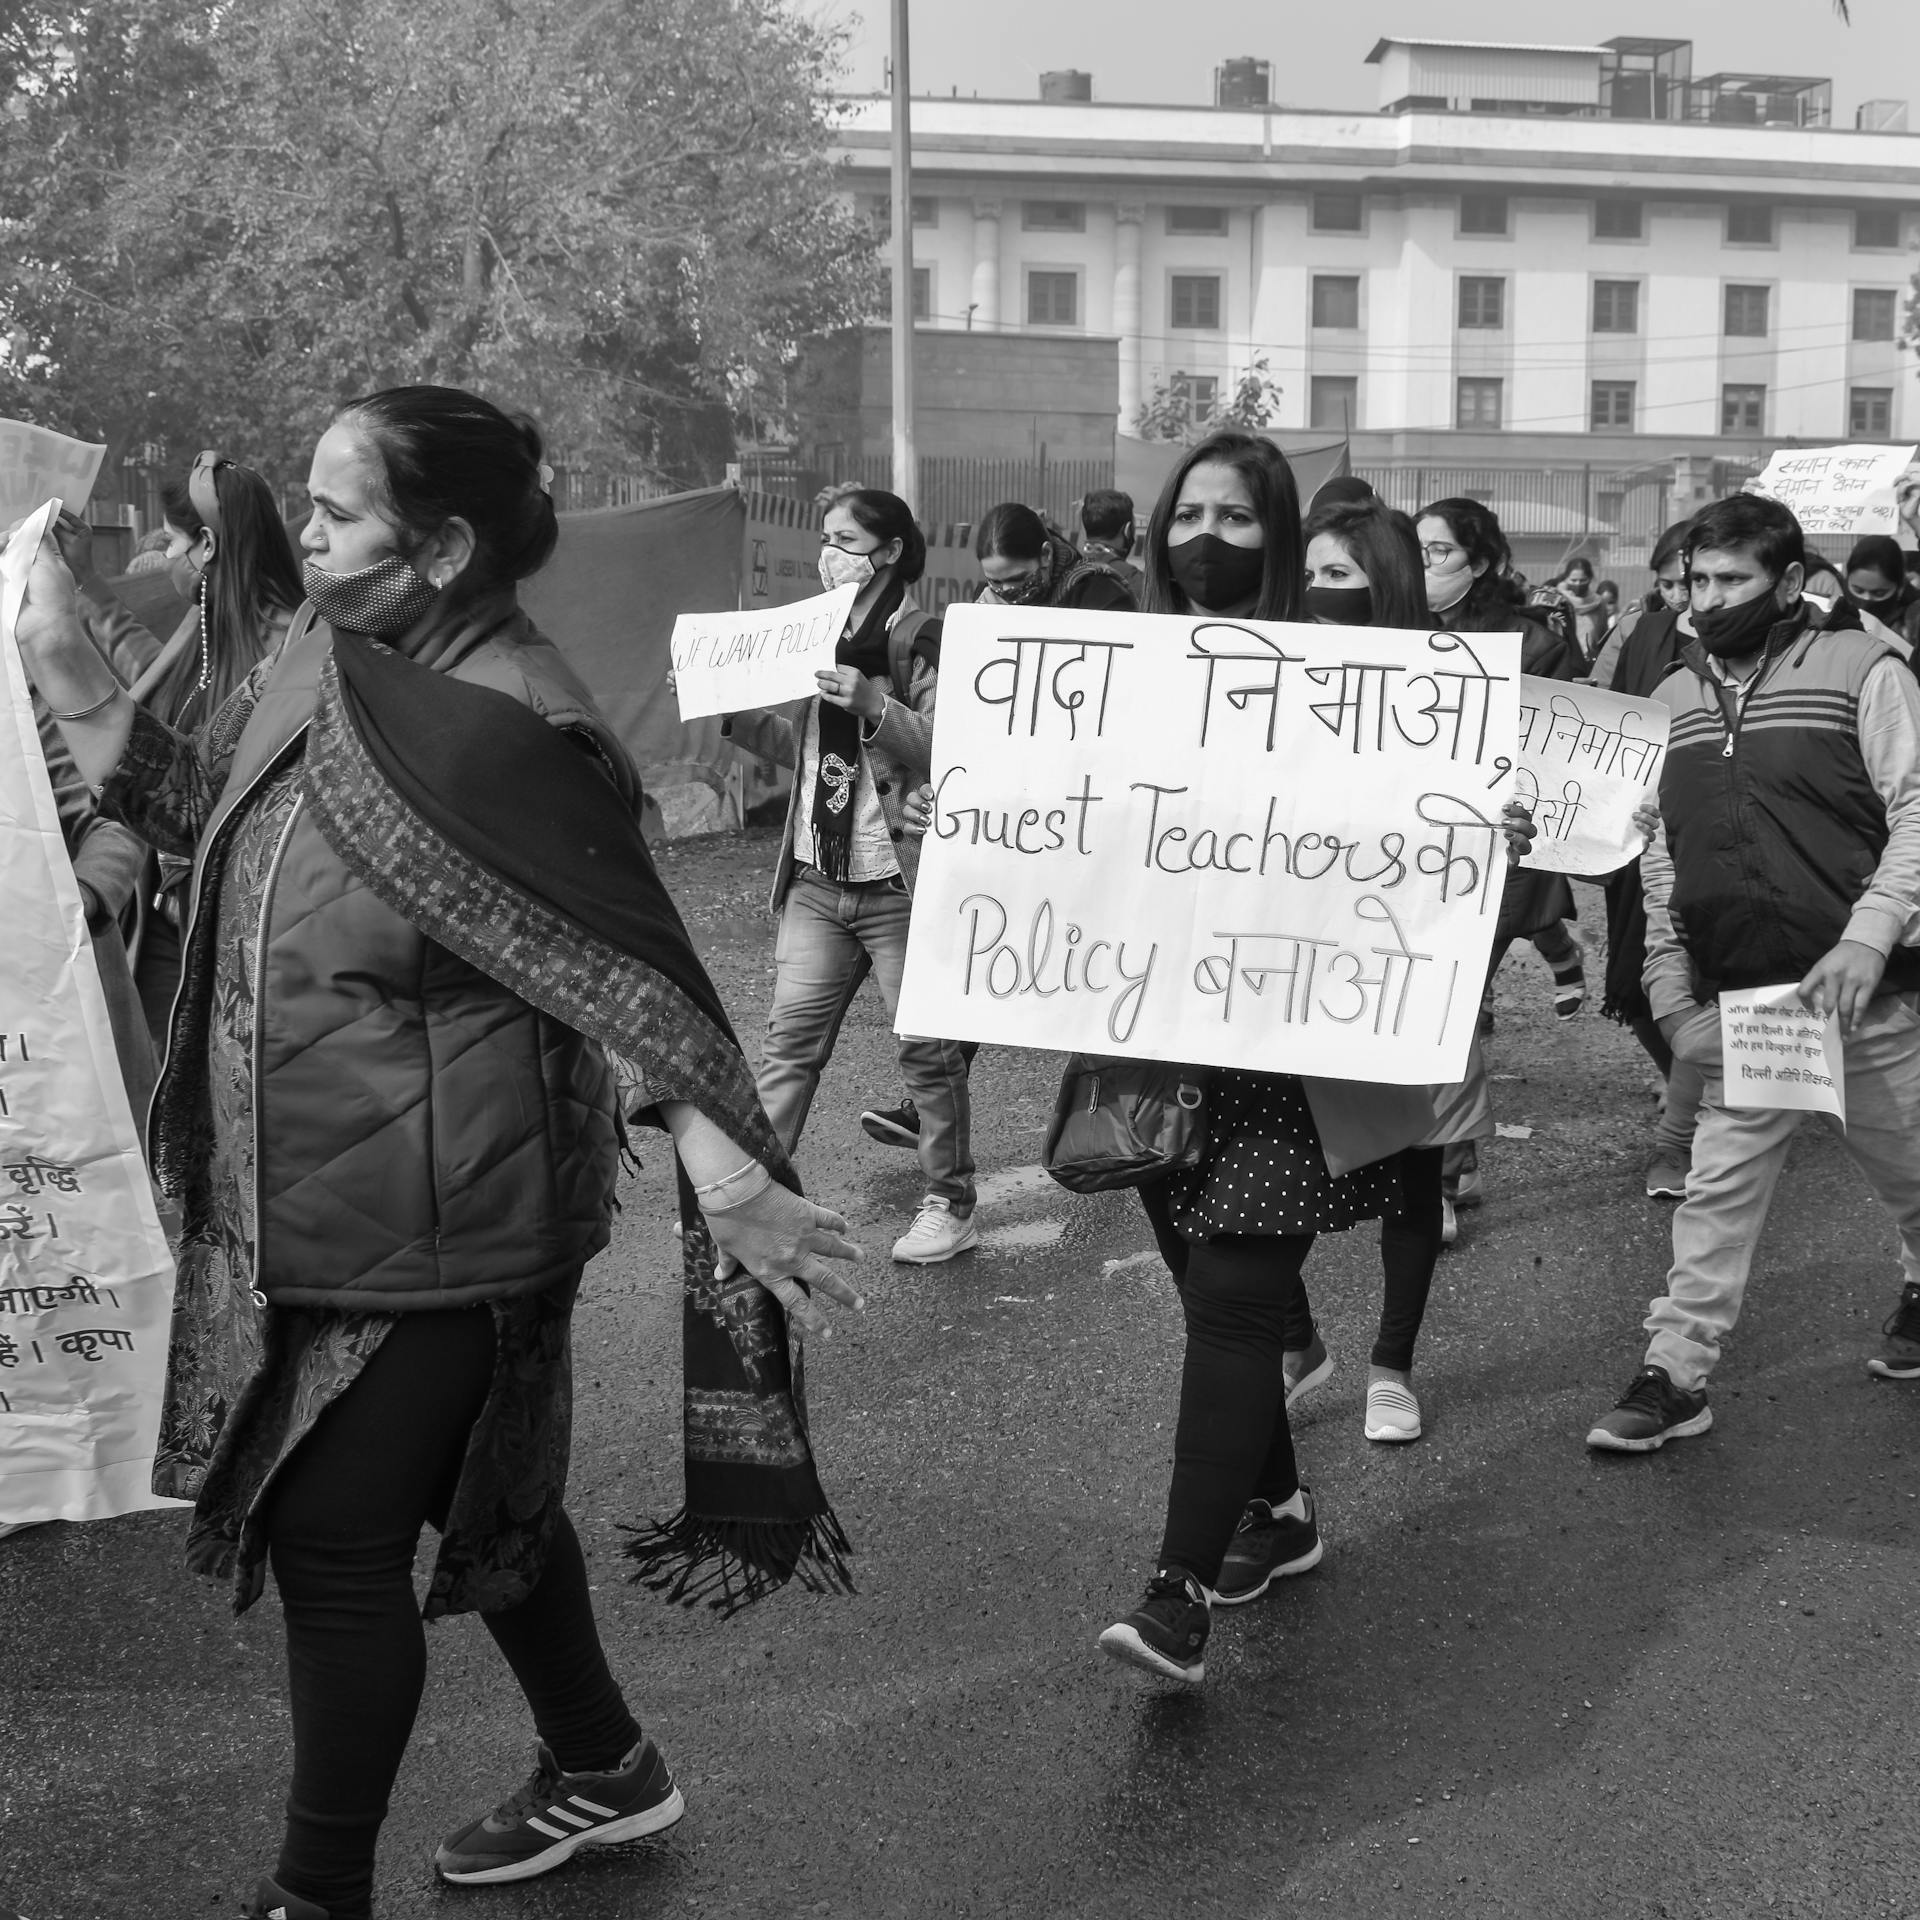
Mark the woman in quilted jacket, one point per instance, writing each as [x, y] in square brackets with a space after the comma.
[421, 919]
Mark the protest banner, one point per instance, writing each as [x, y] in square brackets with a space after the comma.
[1586, 760]
[1775, 1052]
[1841, 492]
[86, 1282]
[38, 464]
[730, 662]
[1231, 843]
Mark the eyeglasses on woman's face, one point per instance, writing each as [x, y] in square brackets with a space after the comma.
[1441, 554]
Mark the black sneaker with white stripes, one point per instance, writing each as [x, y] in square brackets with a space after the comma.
[271, 1901]
[556, 1814]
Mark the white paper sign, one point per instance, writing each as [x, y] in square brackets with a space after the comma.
[729, 662]
[1587, 759]
[38, 464]
[1221, 842]
[1774, 1052]
[86, 1282]
[1844, 492]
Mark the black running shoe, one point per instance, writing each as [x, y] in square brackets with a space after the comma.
[893, 1126]
[1267, 1547]
[556, 1814]
[1899, 1355]
[1167, 1632]
[1650, 1413]
[271, 1901]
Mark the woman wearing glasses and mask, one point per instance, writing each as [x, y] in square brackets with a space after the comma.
[1026, 564]
[843, 883]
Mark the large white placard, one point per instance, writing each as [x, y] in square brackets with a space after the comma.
[1221, 842]
[86, 1282]
[1842, 492]
[730, 662]
[38, 464]
[1586, 760]
[1777, 1052]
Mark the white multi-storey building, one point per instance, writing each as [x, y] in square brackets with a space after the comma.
[1544, 241]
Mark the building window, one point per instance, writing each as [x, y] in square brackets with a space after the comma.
[1053, 216]
[926, 213]
[1053, 299]
[1616, 306]
[922, 293]
[1197, 220]
[1746, 313]
[1336, 213]
[1612, 410]
[1196, 302]
[1873, 312]
[1743, 409]
[1336, 300]
[1483, 302]
[1869, 413]
[1199, 393]
[1617, 220]
[1483, 213]
[1477, 403]
[1333, 402]
[1876, 227]
[1749, 225]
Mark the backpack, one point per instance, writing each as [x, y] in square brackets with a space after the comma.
[900, 638]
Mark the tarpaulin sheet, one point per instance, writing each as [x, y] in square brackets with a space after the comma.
[609, 598]
[1140, 467]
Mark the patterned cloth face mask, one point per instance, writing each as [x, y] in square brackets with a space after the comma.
[382, 601]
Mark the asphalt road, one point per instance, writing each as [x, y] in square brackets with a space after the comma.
[1525, 1681]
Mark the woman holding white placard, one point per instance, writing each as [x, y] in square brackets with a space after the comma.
[1287, 1159]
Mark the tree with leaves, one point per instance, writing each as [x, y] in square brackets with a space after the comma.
[1170, 411]
[221, 217]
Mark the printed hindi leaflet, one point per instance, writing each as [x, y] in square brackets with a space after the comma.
[1777, 1052]
[86, 1280]
[1586, 759]
[1231, 843]
[732, 662]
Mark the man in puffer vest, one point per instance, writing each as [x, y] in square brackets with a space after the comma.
[1788, 850]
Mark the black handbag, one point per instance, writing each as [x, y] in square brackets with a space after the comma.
[1119, 1123]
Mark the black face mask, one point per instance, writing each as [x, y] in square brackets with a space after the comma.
[1214, 574]
[1728, 632]
[1341, 606]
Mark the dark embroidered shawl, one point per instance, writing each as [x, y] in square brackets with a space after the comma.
[494, 834]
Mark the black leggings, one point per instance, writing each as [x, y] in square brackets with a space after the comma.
[1232, 1443]
[345, 1520]
[1409, 1251]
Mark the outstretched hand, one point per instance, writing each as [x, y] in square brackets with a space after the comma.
[793, 1248]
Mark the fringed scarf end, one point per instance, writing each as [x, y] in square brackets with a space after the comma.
[729, 1564]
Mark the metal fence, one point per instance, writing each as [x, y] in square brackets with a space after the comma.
[951, 490]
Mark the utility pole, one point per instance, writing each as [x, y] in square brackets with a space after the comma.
[906, 470]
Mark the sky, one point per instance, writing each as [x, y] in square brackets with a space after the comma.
[1136, 51]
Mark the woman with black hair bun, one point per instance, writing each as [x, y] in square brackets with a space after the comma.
[843, 880]
[424, 926]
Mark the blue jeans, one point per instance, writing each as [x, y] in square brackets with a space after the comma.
[831, 938]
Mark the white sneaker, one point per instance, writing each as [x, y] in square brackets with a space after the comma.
[1393, 1414]
[937, 1234]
